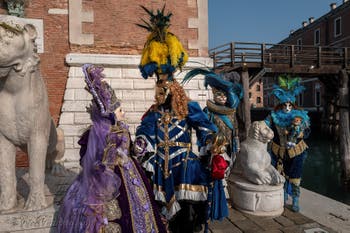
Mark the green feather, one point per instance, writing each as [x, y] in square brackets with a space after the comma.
[283, 82]
[158, 23]
[287, 82]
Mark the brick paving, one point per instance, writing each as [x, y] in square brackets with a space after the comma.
[288, 222]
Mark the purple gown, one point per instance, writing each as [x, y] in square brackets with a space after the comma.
[111, 194]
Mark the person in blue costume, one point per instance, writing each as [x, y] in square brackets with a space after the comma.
[163, 139]
[112, 193]
[290, 125]
[227, 93]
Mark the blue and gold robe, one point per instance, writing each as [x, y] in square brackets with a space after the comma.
[177, 173]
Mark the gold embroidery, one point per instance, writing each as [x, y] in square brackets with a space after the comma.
[172, 144]
[112, 210]
[143, 197]
[295, 181]
[187, 187]
[166, 118]
[292, 152]
[298, 149]
[191, 187]
[113, 227]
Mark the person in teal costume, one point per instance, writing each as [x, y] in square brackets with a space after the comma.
[227, 93]
[288, 149]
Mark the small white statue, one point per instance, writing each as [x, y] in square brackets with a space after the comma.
[25, 119]
[254, 161]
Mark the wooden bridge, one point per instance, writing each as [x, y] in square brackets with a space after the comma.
[273, 59]
[331, 65]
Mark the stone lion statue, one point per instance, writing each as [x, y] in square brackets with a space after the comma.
[24, 113]
[254, 162]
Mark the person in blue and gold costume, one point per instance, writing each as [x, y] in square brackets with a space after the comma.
[227, 93]
[163, 139]
[290, 125]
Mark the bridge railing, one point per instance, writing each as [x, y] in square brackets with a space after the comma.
[238, 53]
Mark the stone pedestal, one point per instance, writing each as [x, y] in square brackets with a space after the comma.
[19, 220]
[259, 200]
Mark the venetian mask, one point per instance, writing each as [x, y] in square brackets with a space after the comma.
[162, 89]
[287, 107]
[219, 97]
[120, 114]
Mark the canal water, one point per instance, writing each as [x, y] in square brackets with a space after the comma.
[322, 169]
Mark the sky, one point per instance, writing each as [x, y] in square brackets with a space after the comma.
[260, 21]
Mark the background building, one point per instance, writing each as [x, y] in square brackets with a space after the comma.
[330, 30]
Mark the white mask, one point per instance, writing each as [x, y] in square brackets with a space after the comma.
[287, 107]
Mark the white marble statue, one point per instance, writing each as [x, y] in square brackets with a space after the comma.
[254, 162]
[25, 119]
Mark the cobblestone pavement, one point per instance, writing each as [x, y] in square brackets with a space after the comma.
[288, 222]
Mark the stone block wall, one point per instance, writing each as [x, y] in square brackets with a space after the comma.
[136, 93]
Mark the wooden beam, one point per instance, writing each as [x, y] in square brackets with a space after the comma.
[344, 134]
[232, 49]
[246, 103]
[292, 55]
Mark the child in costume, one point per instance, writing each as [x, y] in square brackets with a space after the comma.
[111, 194]
[163, 139]
[222, 112]
[288, 149]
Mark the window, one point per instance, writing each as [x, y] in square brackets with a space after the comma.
[318, 98]
[258, 100]
[337, 27]
[299, 44]
[300, 99]
[250, 95]
[317, 94]
[317, 37]
[257, 87]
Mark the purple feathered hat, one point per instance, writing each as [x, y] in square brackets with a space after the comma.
[101, 91]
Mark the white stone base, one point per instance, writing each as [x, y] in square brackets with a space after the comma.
[19, 220]
[259, 200]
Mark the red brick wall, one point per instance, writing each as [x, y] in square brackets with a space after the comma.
[114, 26]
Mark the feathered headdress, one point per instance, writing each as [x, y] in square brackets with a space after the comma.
[102, 93]
[288, 89]
[233, 90]
[163, 52]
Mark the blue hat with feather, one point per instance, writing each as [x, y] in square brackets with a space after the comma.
[227, 83]
[288, 89]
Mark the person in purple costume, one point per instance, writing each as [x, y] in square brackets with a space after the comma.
[111, 194]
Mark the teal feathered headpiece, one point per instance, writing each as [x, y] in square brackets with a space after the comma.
[233, 90]
[288, 89]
